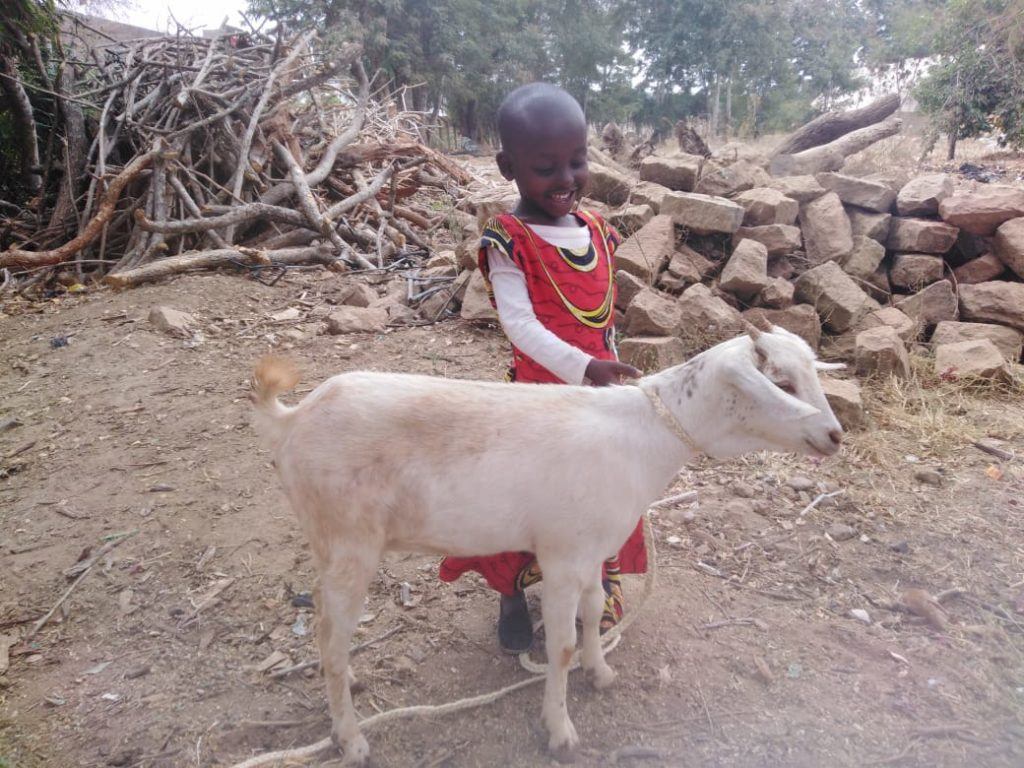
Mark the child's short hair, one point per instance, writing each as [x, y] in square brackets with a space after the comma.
[518, 106]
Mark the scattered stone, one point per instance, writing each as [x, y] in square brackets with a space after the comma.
[1008, 341]
[679, 172]
[652, 353]
[920, 236]
[981, 211]
[863, 193]
[435, 303]
[467, 251]
[881, 351]
[928, 476]
[703, 213]
[845, 401]
[476, 305]
[840, 532]
[746, 272]
[877, 284]
[1008, 245]
[986, 267]
[993, 302]
[800, 319]
[172, 321]
[900, 547]
[738, 177]
[743, 490]
[931, 305]
[778, 294]
[979, 358]
[648, 193]
[401, 314]
[779, 266]
[913, 271]
[356, 294]
[860, 615]
[492, 202]
[651, 313]
[607, 185]
[647, 251]
[626, 287]
[357, 320]
[801, 483]
[839, 301]
[921, 196]
[826, 229]
[864, 258]
[906, 327]
[779, 239]
[803, 189]
[689, 266]
[631, 218]
[869, 223]
[706, 319]
[764, 205]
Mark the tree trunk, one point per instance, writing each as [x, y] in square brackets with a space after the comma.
[830, 126]
[951, 146]
[728, 108]
[830, 157]
[715, 105]
[21, 109]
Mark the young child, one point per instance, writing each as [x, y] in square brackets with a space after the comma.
[550, 273]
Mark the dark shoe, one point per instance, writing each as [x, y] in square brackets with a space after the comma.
[515, 630]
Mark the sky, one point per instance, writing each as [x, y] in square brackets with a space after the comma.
[153, 14]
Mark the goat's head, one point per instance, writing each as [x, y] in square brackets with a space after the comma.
[770, 397]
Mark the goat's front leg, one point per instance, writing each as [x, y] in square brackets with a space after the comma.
[340, 595]
[559, 601]
[592, 608]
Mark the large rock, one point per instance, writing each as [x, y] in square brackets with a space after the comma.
[826, 229]
[981, 211]
[877, 284]
[648, 193]
[679, 172]
[869, 223]
[608, 185]
[728, 180]
[779, 239]
[688, 266]
[921, 196]
[626, 287]
[979, 358]
[1008, 341]
[800, 319]
[986, 267]
[358, 320]
[803, 189]
[652, 353]
[703, 213]
[931, 305]
[476, 305]
[778, 294]
[844, 398]
[746, 272]
[1008, 245]
[646, 251]
[993, 302]
[767, 206]
[881, 351]
[629, 219]
[706, 319]
[651, 313]
[864, 259]
[492, 202]
[860, 192]
[839, 301]
[913, 271]
[905, 326]
[920, 236]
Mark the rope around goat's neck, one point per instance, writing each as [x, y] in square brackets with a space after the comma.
[670, 419]
[609, 641]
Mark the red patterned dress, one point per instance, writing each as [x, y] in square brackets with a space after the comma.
[573, 296]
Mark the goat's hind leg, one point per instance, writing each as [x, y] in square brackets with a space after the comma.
[558, 604]
[340, 595]
[592, 659]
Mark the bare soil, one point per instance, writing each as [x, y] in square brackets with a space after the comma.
[745, 655]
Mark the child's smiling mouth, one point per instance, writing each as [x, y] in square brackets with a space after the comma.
[563, 197]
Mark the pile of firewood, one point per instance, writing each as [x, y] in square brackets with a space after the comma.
[246, 150]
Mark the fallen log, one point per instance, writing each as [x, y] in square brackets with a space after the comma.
[831, 156]
[830, 126]
[221, 257]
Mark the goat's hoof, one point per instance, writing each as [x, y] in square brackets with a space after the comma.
[602, 676]
[563, 744]
[355, 751]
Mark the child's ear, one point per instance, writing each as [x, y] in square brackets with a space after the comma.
[505, 166]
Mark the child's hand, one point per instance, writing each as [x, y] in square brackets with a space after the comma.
[604, 372]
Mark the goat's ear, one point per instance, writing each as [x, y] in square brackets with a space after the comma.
[820, 366]
[752, 330]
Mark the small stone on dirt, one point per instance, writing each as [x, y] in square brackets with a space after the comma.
[928, 476]
[800, 483]
[860, 615]
[840, 531]
[172, 321]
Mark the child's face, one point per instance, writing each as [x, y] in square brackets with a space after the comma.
[549, 166]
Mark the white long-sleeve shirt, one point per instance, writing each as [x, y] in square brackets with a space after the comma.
[515, 311]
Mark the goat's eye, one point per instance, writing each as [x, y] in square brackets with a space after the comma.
[786, 387]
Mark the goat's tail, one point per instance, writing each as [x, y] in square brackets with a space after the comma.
[273, 375]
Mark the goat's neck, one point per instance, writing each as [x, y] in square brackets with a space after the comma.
[686, 392]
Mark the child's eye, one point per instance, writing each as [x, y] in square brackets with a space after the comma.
[543, 171]
[577, 164]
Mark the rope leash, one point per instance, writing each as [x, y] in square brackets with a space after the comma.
[609, 641]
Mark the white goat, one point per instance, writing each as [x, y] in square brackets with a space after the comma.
[382, 461]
